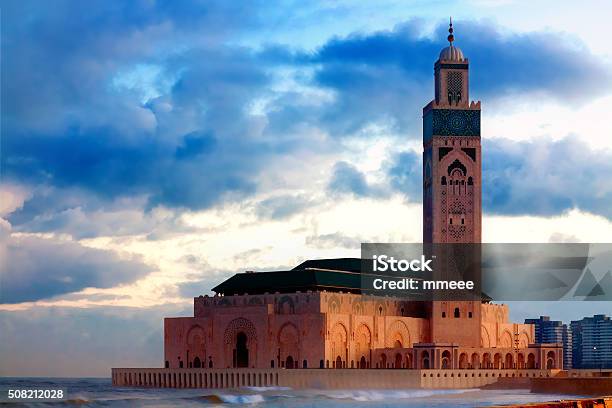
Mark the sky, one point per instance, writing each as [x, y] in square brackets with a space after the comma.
[151, 149]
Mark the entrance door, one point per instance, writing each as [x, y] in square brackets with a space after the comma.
[242, 352]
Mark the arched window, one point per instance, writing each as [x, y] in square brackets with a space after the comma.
[321, 364]
[457, 314]
[443, 314]
[180, 364]
[271, 363]
[167, 365]
[380, 310]
[304, 364]
[443, 180]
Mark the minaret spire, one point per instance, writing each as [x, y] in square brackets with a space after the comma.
[450, 37]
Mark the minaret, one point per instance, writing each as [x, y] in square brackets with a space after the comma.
[452, 182]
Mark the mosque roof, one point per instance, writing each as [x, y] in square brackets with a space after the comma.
[339, 274]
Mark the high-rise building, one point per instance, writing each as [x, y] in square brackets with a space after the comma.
[592, 342]
[554, 331]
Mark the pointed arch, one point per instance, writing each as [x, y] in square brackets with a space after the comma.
[363, 344]
[505, 340]
[398, 332]
[485, 340]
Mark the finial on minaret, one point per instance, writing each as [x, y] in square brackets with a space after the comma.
[450, 37]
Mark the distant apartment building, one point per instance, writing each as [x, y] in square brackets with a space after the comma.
[554, 331]
[592, 342]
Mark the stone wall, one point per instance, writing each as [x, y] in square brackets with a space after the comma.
[316, 378]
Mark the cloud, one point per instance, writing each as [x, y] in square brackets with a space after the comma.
[387, 75]
[282, 207]
[334, 240]
[542, 177]
[65, 342]
[545, 177]
[405, 173]
[347, 179]
[36, 268]
[152, 102]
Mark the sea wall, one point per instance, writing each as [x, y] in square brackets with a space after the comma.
[316, 378]
[580, 386]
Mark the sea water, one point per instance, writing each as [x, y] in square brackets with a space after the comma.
[98, 392]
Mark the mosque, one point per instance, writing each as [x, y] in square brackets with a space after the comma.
[315, 315]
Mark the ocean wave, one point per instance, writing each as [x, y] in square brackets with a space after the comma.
[264, 389]
[242, 399]
[380, 395]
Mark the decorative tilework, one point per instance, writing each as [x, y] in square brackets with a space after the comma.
[454, 122]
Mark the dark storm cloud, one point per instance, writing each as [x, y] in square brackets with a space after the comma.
[388, 76]
[69, 126]
[39, 268]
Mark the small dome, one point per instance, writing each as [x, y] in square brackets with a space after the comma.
[451, 53]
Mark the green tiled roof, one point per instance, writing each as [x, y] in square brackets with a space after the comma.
[342, 274]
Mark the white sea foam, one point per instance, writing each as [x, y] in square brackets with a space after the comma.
[242, 399]
[380, 395]
[263, 389]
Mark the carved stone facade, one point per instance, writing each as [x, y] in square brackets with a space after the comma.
[341, 330]
[330, 327]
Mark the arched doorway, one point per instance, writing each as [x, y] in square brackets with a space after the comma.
[446, 359]
[550, 360]
[338, 362]
[509, 361]
[398, 360]
[241, 352]
[486, 360]
[425, 360]
[463, 361]
[521, 361]
[362, 362]
[197, 363]
[383, 360]
[240, 343]
[289, 362]
[475, 360]
[497, 361]
[530, 360]
[408, 361]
